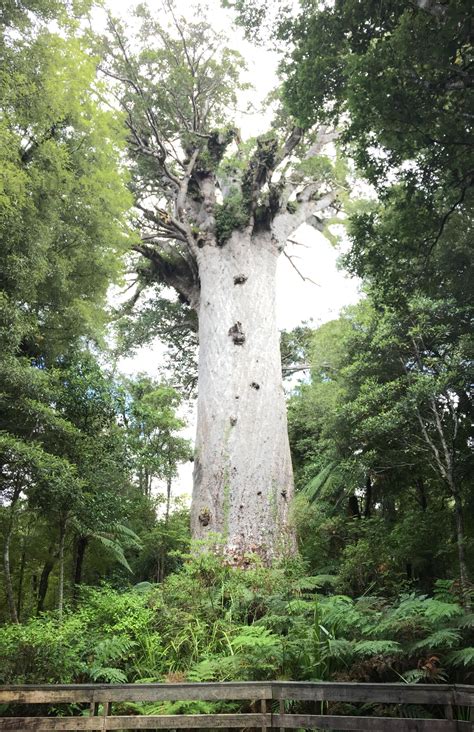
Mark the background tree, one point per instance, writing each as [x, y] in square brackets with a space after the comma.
[156, 449]
[63, 229]
[386, 411]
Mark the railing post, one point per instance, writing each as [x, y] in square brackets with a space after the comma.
[448, 709]
[106, 713]
[281, 710]
[263, 709]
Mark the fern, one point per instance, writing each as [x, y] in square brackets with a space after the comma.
[443, 590]
[108, 674]
[413, 676]
[114, 548]
[315, 486]
[107, 651]
[214, 669]
[376, 647]
[437, 610]
[443, 638]
[463, 657]
[299, 606]
[255, 636]
[316, 582]
[113, 648]
[466, 621]
[340, 648]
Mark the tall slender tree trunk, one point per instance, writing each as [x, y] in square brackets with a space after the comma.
[460, 540]
[81, 546]
[21, 576]
[8, 579]
[420, 485]
[444, 454]
[62, 539]
[6, 554]
[368, 498]
[243, 480]
[44, 580]
[169, 482]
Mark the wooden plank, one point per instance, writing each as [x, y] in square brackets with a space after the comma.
[173, 721]
[52, 696]
[355, 692]
[463, 694]
[372, 724]
[247, 690]
[189, 721]
[49, 723]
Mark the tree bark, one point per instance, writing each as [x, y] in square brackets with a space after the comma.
[20, 583]
[353, 507]
[81, 546]
[243, 479]
[44, 580]
[368, 498]
[169, 483]
[460, 538]
[62, 538]
[6, 555]
[420, 484]
[8, 579]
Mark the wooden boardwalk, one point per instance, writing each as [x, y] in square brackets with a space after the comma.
[272, 704]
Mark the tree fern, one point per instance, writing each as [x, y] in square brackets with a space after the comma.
[313, 489]
[115, 540]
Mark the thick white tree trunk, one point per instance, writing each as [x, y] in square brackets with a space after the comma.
[243, 480]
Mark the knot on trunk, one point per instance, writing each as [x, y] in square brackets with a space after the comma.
[237, 334]
[240, 279]
[255, 386]
[205, 517]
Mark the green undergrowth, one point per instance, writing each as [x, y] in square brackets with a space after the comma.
[212, 622]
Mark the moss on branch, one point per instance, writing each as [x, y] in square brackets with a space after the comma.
[233, 214]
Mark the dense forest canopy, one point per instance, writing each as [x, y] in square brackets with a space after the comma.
[121, 163]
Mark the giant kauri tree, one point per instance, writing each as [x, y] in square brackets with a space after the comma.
[214, 215]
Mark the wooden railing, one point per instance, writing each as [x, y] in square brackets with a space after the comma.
[271, 704]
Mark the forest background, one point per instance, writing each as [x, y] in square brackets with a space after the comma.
[100, 583]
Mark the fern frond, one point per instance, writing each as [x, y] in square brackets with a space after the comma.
[108, 674]
[312, 489]
[340, 648]
[463, 657]
[115, 549]
[443, 638]
[316, 582]
[376, 647]
[466, 621]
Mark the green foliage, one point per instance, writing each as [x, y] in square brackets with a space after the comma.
[153, 441]
[380, 441]
[397, 79]
[210, 621]
[230, 215]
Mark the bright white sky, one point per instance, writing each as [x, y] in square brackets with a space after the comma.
[315, 257]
